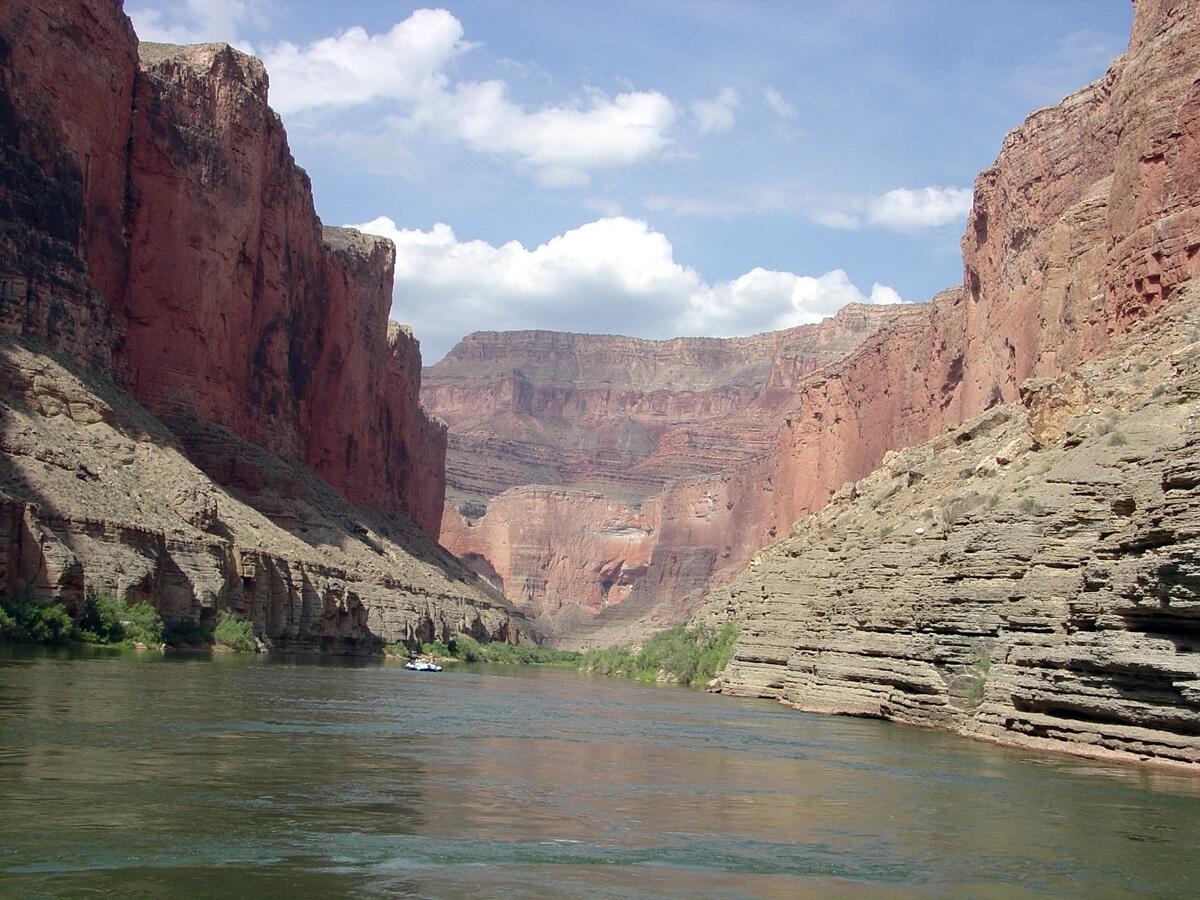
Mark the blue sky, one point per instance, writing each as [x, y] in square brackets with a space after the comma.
[656, 167]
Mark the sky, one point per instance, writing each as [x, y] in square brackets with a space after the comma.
[659, 167]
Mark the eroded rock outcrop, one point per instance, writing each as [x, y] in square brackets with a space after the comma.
[97, 494]
[1028, 577]
[589, 475]
[163, 233]
[158, 233]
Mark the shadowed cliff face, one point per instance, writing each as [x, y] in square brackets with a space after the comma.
[588, 474]
[167, 237]
[159, 238]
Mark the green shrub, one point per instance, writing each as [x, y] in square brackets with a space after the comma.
[468, 649]
[681, 654]
[435, 648]
[1117, 440]
[993, 501]
[1159, 390]
[885, 530]
[32, 621]
[107, 620]
[234, 633]
[1030, 507]
[978, 683]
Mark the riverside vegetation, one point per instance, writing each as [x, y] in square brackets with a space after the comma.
[109, 621]
[679, 655]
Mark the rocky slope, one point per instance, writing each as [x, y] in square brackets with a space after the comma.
[97, 494]
[157, 232]
[1029, 577]
[1073, 585]
[583, 469]
[162, 233]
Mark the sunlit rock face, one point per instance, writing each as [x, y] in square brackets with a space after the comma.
[1085, 224]
[160, 252]
[589, 475]
[1027, 577]
[168, 238]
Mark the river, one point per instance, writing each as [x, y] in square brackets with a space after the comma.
[145, 775]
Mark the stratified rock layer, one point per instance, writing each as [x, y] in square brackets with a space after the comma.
[587, 473]
[157, 232]
[162, 233]
[98, 495]
[1052, 603]
[1029, 577]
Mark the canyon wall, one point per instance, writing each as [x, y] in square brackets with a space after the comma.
[588, 474]
[166, 236]
[1052, 603]
[158, 238]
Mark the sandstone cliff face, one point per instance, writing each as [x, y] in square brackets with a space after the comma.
[97, 494]
[1049, 604]
[1028, 577]
[590, 476]
[158, 232]
[163, 233]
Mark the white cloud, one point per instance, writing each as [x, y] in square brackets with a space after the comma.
[354, 67]
[197, 21]
[611, 275]
[902, 209]
[717, 114]
[776, 101]
[911, 210]
[406, 69]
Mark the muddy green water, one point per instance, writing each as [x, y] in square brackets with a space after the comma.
[187, 776]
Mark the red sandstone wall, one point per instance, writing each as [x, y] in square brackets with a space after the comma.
[169, 238]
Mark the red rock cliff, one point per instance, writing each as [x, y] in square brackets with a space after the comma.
[173, 242]
[585, 470]
[1087, 221]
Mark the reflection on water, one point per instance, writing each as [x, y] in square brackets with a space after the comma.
[138, 774]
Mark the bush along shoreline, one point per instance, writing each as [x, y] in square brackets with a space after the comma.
[107, 621]
[680, 655]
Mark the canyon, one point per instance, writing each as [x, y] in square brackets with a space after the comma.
[588, 475]
[1024, 572]
[210, 367]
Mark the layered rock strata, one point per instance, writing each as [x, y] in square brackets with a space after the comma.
[1029, 577]
[161, 232]
[158, 234]
[586, 472]
[96, 494]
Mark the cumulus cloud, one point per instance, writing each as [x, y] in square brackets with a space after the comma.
[902, 209]
[406, 69]
[911, 210]
[776, 101]
[195, 21]
[402, 78]
[354, 67]
[612, 275]
[717, 114]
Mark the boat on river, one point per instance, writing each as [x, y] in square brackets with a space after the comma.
[422, 665]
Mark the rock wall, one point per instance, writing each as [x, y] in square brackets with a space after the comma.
[98, 495]
[590, 476]
[164, 233]
[157, 237]
[1028, 577]
[1025, 577]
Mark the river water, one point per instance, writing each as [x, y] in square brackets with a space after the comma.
[144, 775]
